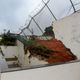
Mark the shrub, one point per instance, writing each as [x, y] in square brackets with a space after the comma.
[8, 40]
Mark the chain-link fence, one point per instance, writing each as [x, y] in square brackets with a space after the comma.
[46, 13]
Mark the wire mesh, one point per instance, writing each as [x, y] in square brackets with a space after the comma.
[47, 12]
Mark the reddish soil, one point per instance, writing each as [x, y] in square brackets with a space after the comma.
[61, 53]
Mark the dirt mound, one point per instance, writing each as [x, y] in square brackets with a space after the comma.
[60, 54]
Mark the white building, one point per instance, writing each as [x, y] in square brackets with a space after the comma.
[68, 31]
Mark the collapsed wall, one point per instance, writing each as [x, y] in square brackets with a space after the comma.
[60, 52]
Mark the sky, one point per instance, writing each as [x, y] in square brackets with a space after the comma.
[13, 13]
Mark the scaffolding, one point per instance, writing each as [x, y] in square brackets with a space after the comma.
[46, 13]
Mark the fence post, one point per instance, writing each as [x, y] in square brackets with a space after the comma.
[37, 25]
[73, 6]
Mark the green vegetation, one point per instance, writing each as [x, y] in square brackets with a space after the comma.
[30, 43]
[8, 40]
[40, 50]
[37, 49]
[49, 31]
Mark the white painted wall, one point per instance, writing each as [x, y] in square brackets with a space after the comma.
[60, 72]
[21, 52]
[10, 51]
[35, 61]
[68, 31]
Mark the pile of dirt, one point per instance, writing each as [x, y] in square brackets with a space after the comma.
[60, 54]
